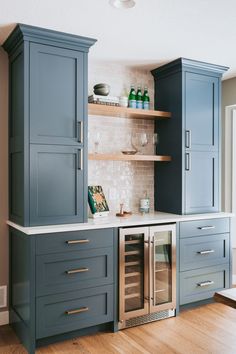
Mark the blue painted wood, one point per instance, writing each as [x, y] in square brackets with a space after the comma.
[56, 96]
[51, 317]
[22, 287]
[57, 191]
[191, 91]
[53, 270]
[201, 100]
[37, 269]
[48, 105]
[58, 242]
[190, 291]
[204, 227]
[192, 250]
[201, 177]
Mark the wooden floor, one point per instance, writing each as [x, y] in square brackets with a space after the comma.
[207, 329]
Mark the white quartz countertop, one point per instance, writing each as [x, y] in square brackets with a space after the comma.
[113, 221]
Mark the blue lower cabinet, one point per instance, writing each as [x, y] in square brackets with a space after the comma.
[74, 270]
[204, 259]
[201, 284]
[70, 311]
[64, 284]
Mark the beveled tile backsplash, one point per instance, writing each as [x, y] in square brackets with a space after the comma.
[122, 181]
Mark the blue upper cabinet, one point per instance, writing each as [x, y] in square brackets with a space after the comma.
[191, 91]
[48, 126]
[56, 95]
[201, 112]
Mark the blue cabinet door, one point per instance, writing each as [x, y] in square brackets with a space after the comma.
[57, 79]
[57, 185]
[201, 194]
[201, 112]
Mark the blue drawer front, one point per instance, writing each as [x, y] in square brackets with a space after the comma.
[211, 279]
[52, 317]
[74, 241]
[74, 270]
[204, 227]
[203, 251]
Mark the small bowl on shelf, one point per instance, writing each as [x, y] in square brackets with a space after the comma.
[129, 152]
[101, 89]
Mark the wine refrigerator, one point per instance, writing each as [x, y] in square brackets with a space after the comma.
[147, 274]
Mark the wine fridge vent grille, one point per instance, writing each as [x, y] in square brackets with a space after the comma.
[149, 318]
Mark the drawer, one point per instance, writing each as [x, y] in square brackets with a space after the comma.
[200, 284]
[203, 251]
[63, 272]
[61, 313]
[73, 241]
[204, 227]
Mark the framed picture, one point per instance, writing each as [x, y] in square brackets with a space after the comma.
[97, 201]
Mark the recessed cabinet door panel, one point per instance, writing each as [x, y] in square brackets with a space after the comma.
[201, 112]
[56, 95]
[201, 182]
[57, 185]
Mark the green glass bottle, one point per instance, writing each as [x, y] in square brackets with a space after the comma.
[139, 98]
[132, 97]
[146, 99]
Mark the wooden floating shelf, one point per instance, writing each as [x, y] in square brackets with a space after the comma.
[124, 112]
[123, 157]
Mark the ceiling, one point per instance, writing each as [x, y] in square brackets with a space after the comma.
[152, 33]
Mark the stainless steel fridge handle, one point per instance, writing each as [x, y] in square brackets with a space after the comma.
[188, 139]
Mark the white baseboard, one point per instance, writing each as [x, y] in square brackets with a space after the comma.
[4, 318]
[234, 279]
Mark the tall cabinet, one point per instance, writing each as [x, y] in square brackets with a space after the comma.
[48, 125]
[191, 90]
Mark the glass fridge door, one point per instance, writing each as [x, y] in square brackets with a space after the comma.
[162, 267]
[133, 272]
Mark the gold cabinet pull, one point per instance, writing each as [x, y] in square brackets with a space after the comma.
[79, 270]
[73, 242]
[73, 312]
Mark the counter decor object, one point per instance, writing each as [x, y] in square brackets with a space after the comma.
[144, 204]
[104, 100]
[122, 212]
[97, 202]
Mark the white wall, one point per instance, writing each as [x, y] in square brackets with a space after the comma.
[228, 99]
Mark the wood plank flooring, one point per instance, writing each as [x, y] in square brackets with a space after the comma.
[207, 329]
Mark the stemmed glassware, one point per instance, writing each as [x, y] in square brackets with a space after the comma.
[155, 140]
[139, 141]
[97, 140]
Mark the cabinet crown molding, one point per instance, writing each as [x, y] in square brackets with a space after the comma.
[188, 64]
[22, 33]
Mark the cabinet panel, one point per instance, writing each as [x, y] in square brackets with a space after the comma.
[204, 227]
[57, 188]
[200, 284]
[198, 252]
[74, 270]
[201, 112]
[70, 311]
[74, 241]
[201, 182]
[56, 96]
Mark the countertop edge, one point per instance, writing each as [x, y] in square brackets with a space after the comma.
[115, 222]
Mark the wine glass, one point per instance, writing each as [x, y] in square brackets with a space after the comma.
[97, 139]
[155, 140]
[139, 141]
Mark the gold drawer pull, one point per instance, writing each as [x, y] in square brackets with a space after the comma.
[206, 227]
[205, 283]
[79, 270]
[72, 242]
[73, 312]
[206, 252]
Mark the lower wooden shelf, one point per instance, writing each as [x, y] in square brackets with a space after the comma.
[122, 157]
